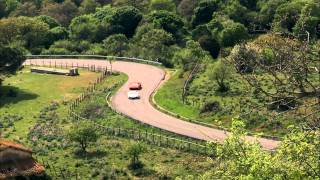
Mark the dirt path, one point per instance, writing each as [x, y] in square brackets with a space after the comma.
[142, 109]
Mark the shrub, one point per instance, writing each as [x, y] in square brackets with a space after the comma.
[83, 133]
[92, 111]
[210, 44]
[210, 106]
[283, 104]
[134, 151]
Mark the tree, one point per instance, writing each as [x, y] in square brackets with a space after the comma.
[287, 16]
[232, 34]
[3, 12]
[286, 66]
[211, 45]
[58, 33]
[67, 45]
[88, 6]
[11, 60]
[308, 22]
[134, 151]
[48, 20]
[188, 57]
[237, 12]
[104, 14]
[168, 21]
[127, 17]
[200, 31]
[296, 157]
[142, 5]
[83, 133]
[167, 5]
[186, 8]
[63, 12]
[250, 4]
[28, 8]
[268, 11]
[203, 13]
[32, 32]
[220, 73]
[11, 5]
[116, 45]
[155, 44]
[83, 28]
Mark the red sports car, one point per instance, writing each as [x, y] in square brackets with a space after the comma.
[135, 86]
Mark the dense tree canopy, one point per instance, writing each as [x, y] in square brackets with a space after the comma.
[170, 22]
[83, 28]
[10, 60]
[116, 45]
[30, 31]
[167, 5]
[203, 13]
[128, 18]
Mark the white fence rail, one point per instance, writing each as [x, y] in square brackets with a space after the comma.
[98, 57]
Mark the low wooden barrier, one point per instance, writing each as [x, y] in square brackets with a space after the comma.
[45, 70]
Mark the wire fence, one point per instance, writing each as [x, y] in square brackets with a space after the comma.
[147, 136]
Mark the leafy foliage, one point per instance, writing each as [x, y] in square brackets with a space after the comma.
[134, 151]
[10, 61]
[116, 45]
[297, 157]
[83, 133]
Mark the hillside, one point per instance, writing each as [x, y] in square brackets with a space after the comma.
[248, 67]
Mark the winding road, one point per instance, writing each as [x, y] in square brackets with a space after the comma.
[142, 110]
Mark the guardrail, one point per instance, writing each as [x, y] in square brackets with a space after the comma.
[98, 57]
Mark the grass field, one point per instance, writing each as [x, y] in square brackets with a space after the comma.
[173, 101]
[108, 157]
[35, 91]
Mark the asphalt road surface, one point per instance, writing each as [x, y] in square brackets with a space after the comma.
[142, 110]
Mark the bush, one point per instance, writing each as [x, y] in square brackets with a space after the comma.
[83, 133]
[233, 34]
[134, 151]
[55, 51]
[283, 104]
[8, 120]
[211, 106]
[209, 44]
[59, 33]
[92, 111]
